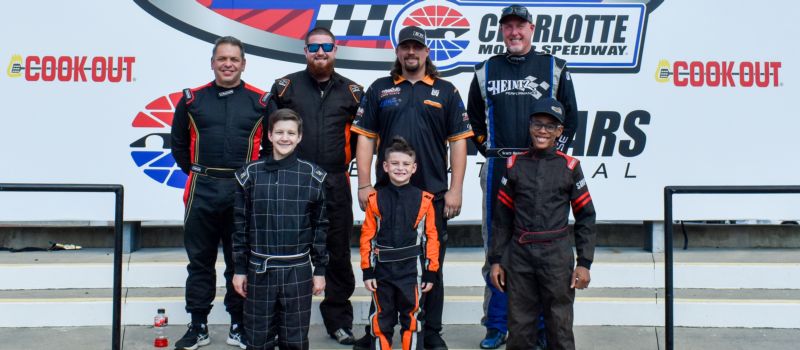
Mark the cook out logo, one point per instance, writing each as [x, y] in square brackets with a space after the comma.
[152, 152]
[78, 69]
[597, 36]
[720, 73]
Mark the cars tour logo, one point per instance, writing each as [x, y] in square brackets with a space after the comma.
[594, 36]
[152, 152]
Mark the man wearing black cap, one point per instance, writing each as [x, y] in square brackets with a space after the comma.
[327, 102]
[428, 112]
[503, 91]
[530, 253]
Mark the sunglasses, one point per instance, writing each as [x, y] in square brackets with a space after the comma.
[326, 47]
[515, 10]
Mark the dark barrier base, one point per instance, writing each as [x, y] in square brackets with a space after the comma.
[609, 235]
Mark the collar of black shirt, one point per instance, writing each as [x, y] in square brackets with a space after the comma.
[428, 80]
[271, 164]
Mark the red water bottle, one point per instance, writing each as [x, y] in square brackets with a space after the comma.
[159, 324]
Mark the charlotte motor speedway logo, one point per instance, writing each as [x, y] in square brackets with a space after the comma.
[599, 36]
[152, 152]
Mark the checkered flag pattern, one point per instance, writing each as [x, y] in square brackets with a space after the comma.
[532, 85]
[357, 20]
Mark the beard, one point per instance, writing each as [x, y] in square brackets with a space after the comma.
[412, 68]
[321, 69]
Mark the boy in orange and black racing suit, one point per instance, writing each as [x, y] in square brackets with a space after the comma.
[399, 242]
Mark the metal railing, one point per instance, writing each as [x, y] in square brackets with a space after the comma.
[668, 192]
[119, 192]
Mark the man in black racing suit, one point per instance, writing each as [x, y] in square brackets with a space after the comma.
[216, 129]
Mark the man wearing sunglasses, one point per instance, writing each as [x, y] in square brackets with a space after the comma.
[428, 112]
[327, 103]
[503, 91]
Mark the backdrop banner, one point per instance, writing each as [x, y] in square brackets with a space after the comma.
[674, 92]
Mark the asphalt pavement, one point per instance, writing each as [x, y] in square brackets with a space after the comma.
[457, 337]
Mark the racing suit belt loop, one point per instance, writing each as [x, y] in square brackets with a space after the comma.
[266, 261]
[504, 152]
[387, 254]
[223, 173]
[526, 237]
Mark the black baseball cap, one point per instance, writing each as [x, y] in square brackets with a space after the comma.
[516, 10]
[412, 33]
[549, 106]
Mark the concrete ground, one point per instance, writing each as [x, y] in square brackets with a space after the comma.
[458, 337]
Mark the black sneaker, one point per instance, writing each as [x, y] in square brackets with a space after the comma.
[195, 337]
[363, 343]
[434, 341]
[236, 337]
[344, 336]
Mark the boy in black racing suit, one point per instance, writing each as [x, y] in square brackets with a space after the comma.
[530, 252]
[280, 230]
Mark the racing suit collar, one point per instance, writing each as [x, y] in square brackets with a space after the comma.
[399, 189]
[517, 59]
[542, 154]
[223, 91]
[271, 164]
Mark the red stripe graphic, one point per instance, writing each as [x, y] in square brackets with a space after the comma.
[580, 198]
[578, 205]
[504, 195]
[505, 199]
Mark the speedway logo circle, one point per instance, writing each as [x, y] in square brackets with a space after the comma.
[152, 152]
[604, 36]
